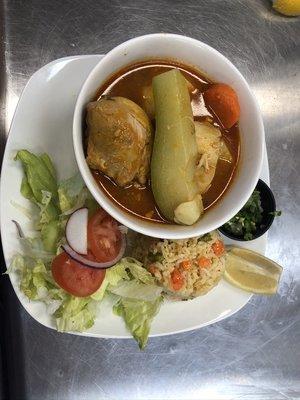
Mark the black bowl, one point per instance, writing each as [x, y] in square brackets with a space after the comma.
[268, 205]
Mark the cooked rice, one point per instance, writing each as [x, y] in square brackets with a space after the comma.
[162, 257]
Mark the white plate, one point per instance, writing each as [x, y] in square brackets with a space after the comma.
[43, 123]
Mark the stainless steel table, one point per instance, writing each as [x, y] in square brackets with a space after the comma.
[256, 353]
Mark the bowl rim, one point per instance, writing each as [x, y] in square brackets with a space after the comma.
[134, 222]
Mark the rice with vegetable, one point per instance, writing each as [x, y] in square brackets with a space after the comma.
[184, 268]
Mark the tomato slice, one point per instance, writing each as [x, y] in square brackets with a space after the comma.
[104, 236]
[75, 278]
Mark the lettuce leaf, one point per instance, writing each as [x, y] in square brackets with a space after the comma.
[70, 191]
[39, 175]
[112, 277]
[140, 299]
[49, 164]
[73, 194]
[48, 211]
[136, 290]
[26, 190]
[126, 269]
[74, 315]
[51, 235]
[138, 316]
[136, 270]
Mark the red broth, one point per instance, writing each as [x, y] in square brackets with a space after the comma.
[129, 83]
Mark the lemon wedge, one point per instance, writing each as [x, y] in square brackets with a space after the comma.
[251, 271]
[290, 8]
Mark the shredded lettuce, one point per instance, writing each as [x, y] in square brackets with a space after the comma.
[35, 278]
[34, 247]
[136, 297]
[71, 313]
[136, 302]
[23, 210]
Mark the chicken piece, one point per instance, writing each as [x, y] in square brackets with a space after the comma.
[225, 154]
[208, 138]
[119, 140]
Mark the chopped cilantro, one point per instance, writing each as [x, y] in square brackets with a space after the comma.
[205, 238]
[276, 213]
[246, 222]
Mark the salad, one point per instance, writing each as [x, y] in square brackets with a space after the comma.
[76, 257]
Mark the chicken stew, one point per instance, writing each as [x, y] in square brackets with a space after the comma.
[163, 141]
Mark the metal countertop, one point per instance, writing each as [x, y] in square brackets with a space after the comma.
[255, 354]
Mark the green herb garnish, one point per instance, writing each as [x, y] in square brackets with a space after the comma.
[205, 238]
[247, 220]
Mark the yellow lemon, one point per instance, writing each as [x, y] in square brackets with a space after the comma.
[290, 8]
[251, 271]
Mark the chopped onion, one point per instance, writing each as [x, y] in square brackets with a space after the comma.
[94, 264]
[123, 229]
[76, 231]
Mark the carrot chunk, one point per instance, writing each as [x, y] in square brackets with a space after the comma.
[177, 279]
[223, 101]
[204, 262]
[186, 264]
[218, 248]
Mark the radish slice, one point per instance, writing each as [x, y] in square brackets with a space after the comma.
[94, 264]
[76, 231]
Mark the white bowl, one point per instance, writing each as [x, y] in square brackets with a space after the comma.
[191, 52]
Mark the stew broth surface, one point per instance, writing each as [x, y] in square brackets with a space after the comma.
[129, 83]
